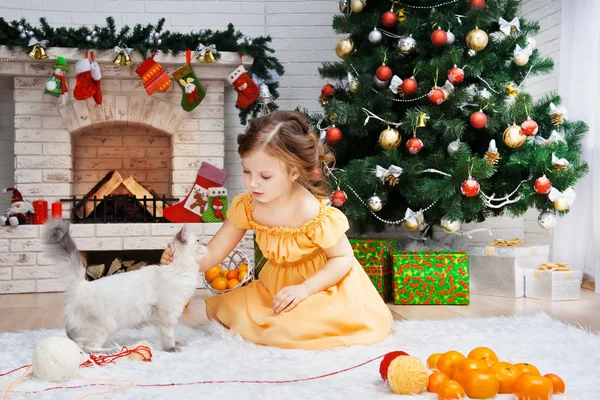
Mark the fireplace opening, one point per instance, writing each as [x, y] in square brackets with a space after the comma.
[106, 263]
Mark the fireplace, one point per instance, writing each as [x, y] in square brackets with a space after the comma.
[63, 152]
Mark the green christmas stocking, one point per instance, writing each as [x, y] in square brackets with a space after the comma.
[193, 91]
[217, 205]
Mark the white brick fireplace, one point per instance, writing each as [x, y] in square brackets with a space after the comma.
[61, 151]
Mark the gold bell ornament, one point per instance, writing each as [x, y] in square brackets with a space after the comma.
[207, 53]
[422, 118]
[39, 49]
[123, 59]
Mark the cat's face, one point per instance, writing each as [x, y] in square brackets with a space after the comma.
[189, 245]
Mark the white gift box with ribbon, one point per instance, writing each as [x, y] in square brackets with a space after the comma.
[552, 284]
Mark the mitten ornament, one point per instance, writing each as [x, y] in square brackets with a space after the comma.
[196, 202]
[193, 91]
[56, 85]
[97, 79]
[84, 85]
[154, 77]
[248, 91]
[217, 205]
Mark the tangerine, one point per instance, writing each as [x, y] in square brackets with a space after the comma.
[243, 266]
[526, 368]
[232, 283]
[558, 385]
[450, 390]
[211, 274]
[484, 353]
[242, 275]
[233, 274]
[436, 380]
[462, 367]
[448, 360]
[533, 387]
[481, 384]
[507, 375]
[219, 283]
[432, 360]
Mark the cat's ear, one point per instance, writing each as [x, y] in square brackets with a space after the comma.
[182, 235]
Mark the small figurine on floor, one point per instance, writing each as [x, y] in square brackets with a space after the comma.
[19, 212]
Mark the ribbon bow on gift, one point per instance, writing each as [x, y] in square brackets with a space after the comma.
[516, 242]
[509, 27]
[391, 175]
[554, 267]
[554, 137]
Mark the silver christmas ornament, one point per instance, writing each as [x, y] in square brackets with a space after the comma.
[22, 35]
[88, 38]
[156, 35]
[380, 84]
[20, 28]
[159, 41]
[406, 44]
[450, 38]
[343, 4]
[375, 203]
[449, 225]
[30, 33]
[472, 53]
[375, 36]
[194, 33]
[94, 33]
[453, 147]
[95, 39]
[547, 220]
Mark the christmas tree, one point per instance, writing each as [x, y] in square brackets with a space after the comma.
[429, 121]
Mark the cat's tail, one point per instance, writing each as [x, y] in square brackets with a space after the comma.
[62, 248]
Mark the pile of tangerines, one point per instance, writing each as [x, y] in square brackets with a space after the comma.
[223, 279]
[481, 375]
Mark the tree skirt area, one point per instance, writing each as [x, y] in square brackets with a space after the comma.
[212, 353]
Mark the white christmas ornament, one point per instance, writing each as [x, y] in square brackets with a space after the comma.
[453, 147]
[547, 220]
[375, 36]
[450, 38]
[521, 56]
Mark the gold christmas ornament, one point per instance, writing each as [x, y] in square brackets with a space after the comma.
[392, 180]
[561, 204]
[401, 14]
[512, 91]
[561, 167]
[344, 48]
[521, 59]
[38, 52]
[206, 54]
[390, 138]
[513, 136]
[357, 5]
[492, 157]
[122, 59]
[353, 86]
[411, 224]
[422, 118]
[477, 39]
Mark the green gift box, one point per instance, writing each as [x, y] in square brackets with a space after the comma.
[431, 277]
[259, 259]
[375, 256]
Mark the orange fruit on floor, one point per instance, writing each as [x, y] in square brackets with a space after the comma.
[480, 384]
[558, 385]
[432, 360]
[220, 283]
[533, 387]
[211, 274]
[484, 353]
[463, 366]
[448, 360]
[233, 274]
[526, 368]
[232, 283]
[507, 375]
[450, 390]
[436, 380]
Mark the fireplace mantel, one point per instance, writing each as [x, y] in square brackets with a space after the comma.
[45, 163]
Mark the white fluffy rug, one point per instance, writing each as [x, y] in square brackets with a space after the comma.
[213, 353]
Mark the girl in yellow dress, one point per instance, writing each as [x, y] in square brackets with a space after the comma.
[312, 293]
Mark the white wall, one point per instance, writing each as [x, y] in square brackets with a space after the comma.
[303, 39]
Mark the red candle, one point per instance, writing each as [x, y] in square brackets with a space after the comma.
[40, 212]
[57, 209]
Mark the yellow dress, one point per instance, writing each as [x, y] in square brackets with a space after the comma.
[348, 313]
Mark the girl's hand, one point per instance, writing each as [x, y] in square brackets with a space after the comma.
[167, 256]
[289, 297]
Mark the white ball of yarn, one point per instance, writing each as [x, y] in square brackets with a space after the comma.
[56, 359]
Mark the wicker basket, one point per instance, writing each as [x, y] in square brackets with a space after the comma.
[232, 262]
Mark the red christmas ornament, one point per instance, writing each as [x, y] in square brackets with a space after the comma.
[338, 198]
[409, 86]
[436, 96]
[542, 185]
[387, 360]
[328, 91]
[477, 4]
[333, 135]
[389, 19]
[456, 75]
[384, 73]
[470, 187]
[529, 127]
[478, 119]
[414, 145]
[439, 37]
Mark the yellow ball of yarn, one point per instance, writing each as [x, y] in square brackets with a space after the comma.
[407, 375]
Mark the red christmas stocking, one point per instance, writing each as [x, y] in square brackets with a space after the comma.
[193, 206]
[84, 86]
[154, 77]
[248, 91]
[97, 79]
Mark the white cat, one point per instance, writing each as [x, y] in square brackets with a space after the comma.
[155, 294]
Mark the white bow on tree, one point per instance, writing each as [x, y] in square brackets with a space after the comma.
[390, 175]
[508, 27]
